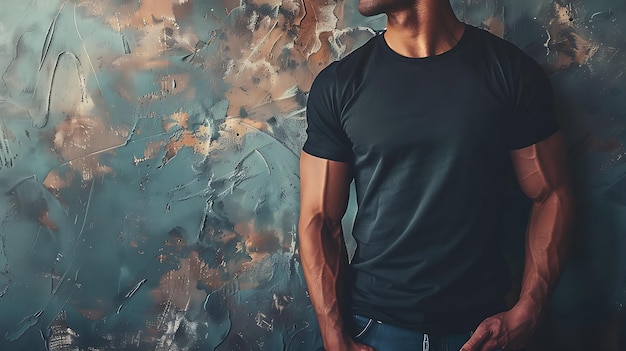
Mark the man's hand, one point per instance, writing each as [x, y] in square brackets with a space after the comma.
[345, 343]
[354, 346]
[541, 172]
[508, 330]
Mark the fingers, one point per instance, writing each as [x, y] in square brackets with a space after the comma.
[361, 347]
[478, 340]
[489, 345]
[486, 345]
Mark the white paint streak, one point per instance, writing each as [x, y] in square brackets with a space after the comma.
[338, 47]
[247, 62]
[82, 42]
[547, 43]
[253, 19]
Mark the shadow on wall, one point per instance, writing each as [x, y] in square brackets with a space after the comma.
[587, 310]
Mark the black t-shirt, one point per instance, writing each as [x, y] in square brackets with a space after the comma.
[429, 142]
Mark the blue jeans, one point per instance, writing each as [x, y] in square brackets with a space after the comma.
[387, 337]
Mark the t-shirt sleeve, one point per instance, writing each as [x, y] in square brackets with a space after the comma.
[325, 135]
[533, 118]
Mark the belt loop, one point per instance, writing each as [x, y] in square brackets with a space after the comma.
[426, 343]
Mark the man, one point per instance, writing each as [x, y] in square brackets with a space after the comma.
[426, 118]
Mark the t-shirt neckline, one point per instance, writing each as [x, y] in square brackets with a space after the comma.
[389, 51]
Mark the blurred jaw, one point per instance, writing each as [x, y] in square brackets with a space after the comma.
[376, 7]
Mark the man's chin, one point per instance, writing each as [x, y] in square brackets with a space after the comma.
[369, 11]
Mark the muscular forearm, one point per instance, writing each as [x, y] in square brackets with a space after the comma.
[324, 193]
[324, 258]
[546, 246]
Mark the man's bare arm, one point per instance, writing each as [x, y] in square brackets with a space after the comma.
[541, 170]
[542, 173]
[324, 192]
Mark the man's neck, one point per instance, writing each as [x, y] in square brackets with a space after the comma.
[427, 29]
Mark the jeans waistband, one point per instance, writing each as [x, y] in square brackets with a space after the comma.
[371, 330]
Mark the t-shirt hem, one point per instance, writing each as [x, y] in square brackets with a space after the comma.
[538, 137]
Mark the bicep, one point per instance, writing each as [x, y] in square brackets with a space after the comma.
[541, 168]
[324, 187]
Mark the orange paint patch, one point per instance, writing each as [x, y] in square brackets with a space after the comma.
[81, 140]
[322, 57]
[495, 25]
[177, 119]
[46, 221]
[178, 287]
[54, 182]
[199, 139]
[562, 14]
[573, 49]
[266, 56]
[258, 244]
[185, 139]
[570, 46]
[162, 9]
[152, 149]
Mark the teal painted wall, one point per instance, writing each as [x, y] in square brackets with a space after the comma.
[149, 167]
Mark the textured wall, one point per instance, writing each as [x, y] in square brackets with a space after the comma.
[149, 166]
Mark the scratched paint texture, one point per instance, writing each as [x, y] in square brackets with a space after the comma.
[149, 167]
